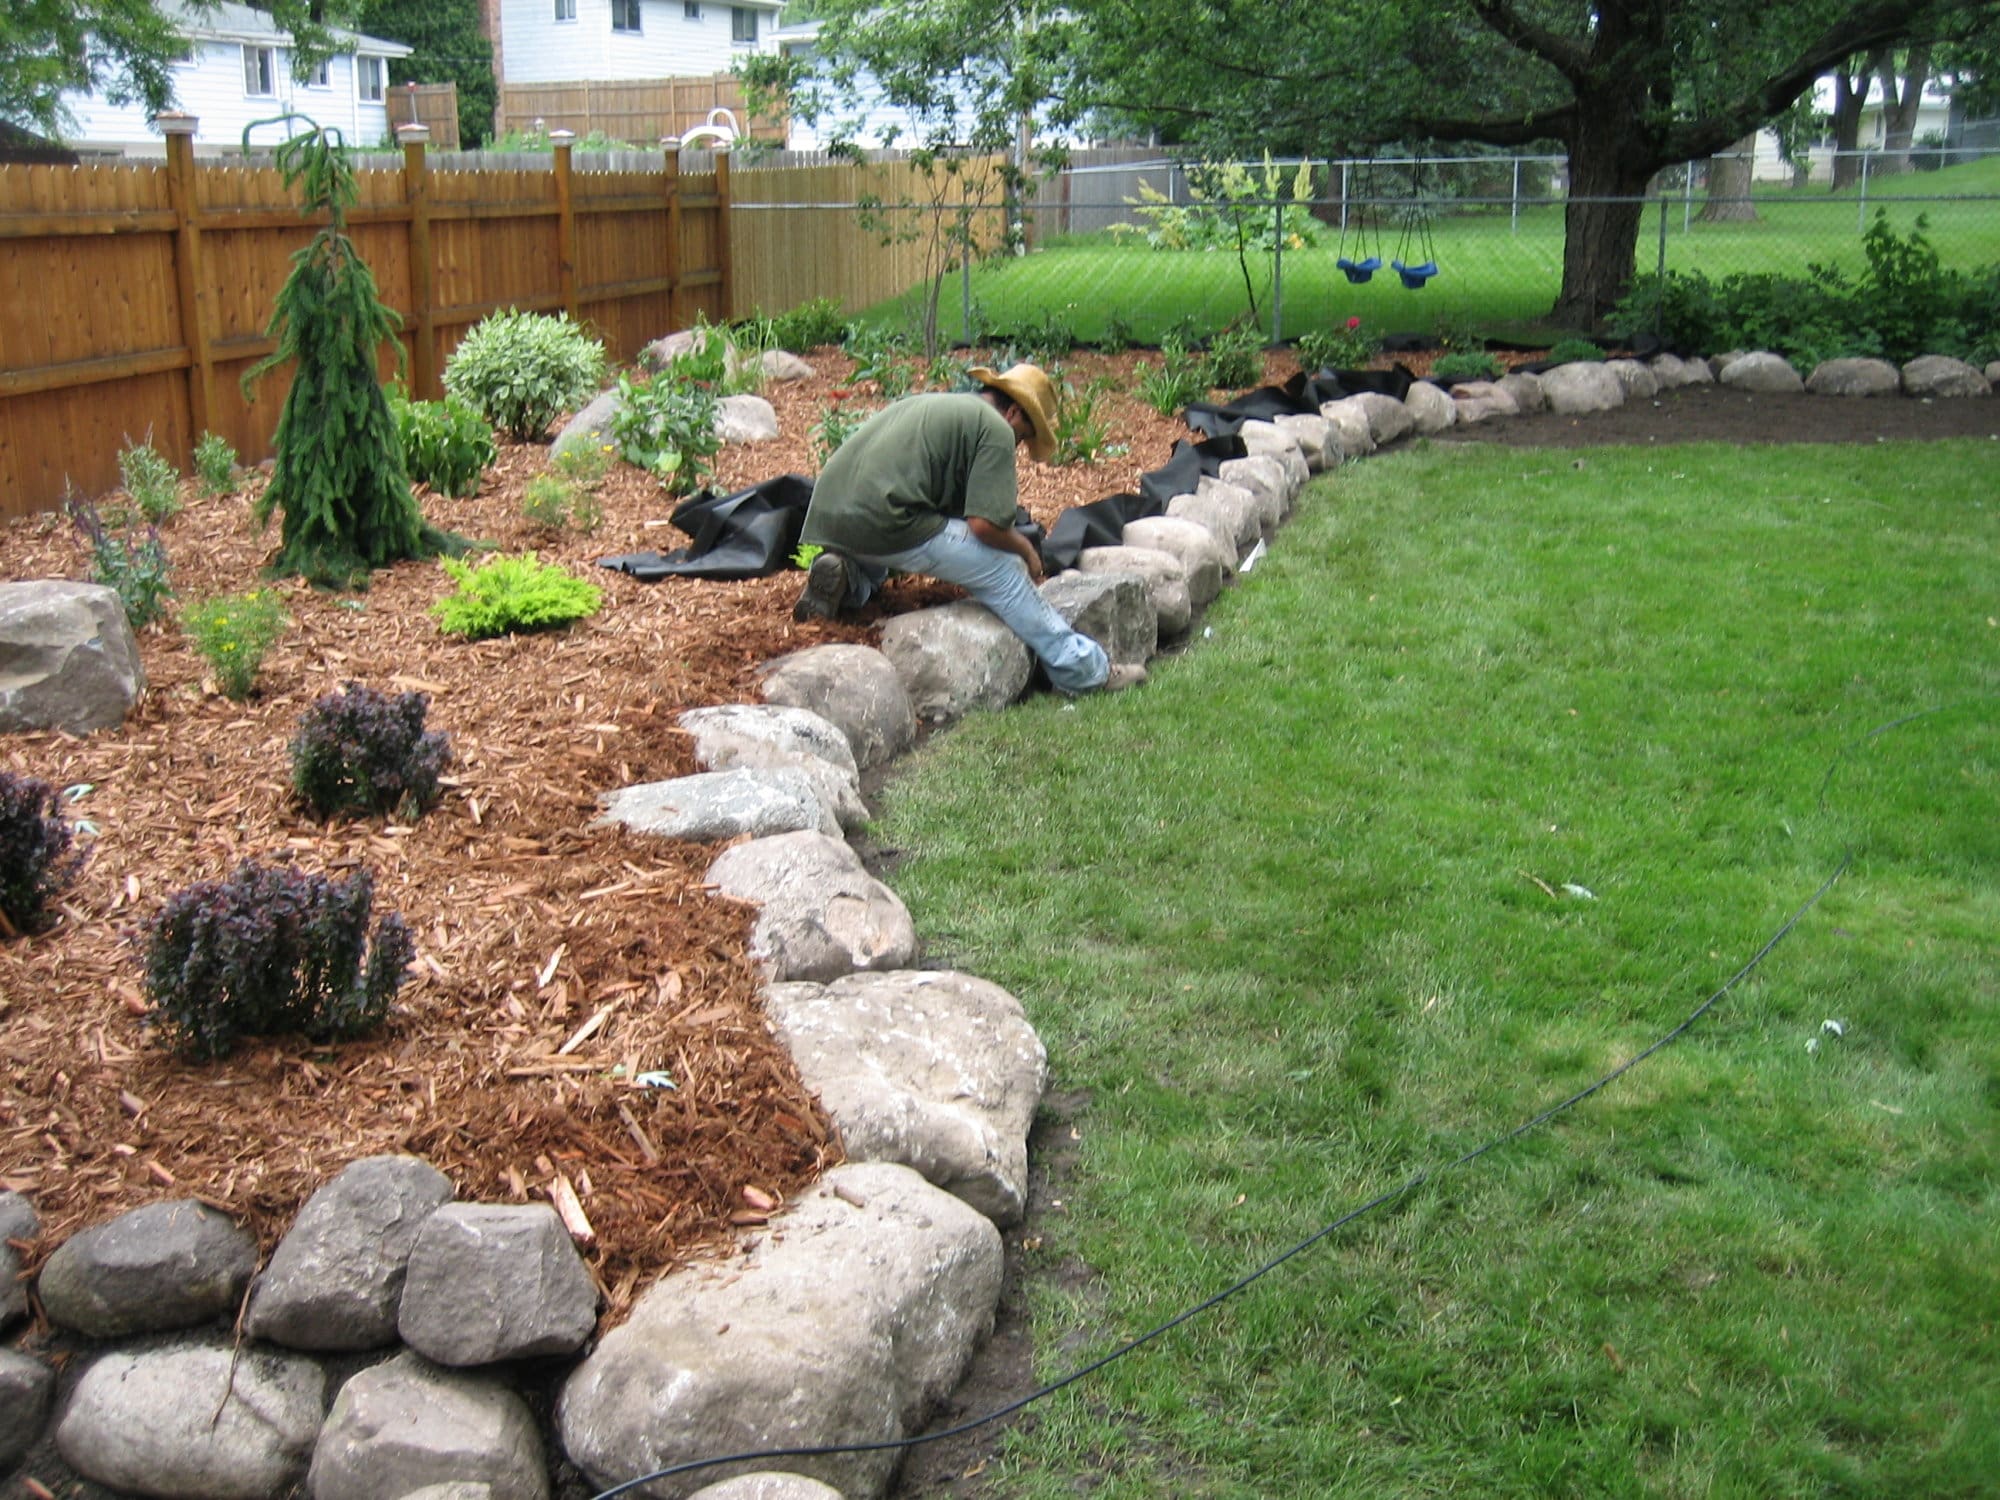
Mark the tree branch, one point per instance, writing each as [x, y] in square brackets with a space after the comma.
[1559, 52]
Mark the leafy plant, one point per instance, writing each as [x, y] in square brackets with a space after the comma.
[1342, 348]
[272, 951]
[215, 464]
[804, 553]
[1233, 206]
[583, 464]
[135, 568]
[521, 370]
[505, 594]
[36, 861]
[553, 502]
[877, 355]
[1083, 432]
[837, 423]
[811, 325]
[232, 633]
[446, 444]
[1467, 366]
[1180, 377]
[1574, 351]
[152, 482]
[1117, 336]
[666, 425]
[1048, 336]
[1236, 356]
[367, 752]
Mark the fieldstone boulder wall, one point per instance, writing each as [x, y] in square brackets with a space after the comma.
[768, 1487]
[1581, 386]
[1670, 371]
[1854, 377]
[68, 660]
[1931, 376]
[717, 805]
[746, 419]
[1164, 575]
[1481, 401]
[1640, 383]
[335, 1282]
[404, 1424]
[1431, 409]
[496, 1281]
[1389, 420]
[1227, 514]
[1210, 562]
[1349, 420]
[845, 1324]
[1763, 374]
[17, 1222]
[938, 1071]
[854, 688]
[1315, 437]
[155, 1269]
[27, 1388]
[1268, 440]
[820, 913]
[1112, 609]
[955, 658]
[194, 1420]
[759, 736]
[1526, 388]
[1269, 494]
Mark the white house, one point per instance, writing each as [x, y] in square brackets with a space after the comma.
[237, 69]
[565, 41]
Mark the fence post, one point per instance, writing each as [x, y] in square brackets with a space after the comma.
[1514, 207]
[565, 224]
[417, 194]
[190, 281]
[670, 181]
[1861, 217]
[1277, 271]
[724, 209]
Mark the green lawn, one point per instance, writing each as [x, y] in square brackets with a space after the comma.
[1496, 767]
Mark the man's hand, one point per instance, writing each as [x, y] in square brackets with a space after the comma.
[1006, 539]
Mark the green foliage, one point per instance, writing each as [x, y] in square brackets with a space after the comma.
[804, 553]
[1180, 377]
[215, 464]
[878, 355]
[666, 426]
[552, 502]
[1467, 366]
[811, 325]
[1231, 208]
[232, 633]
[521, 370]
[338, 472]
[1575, 351]
[1083, 431]
[1236, 357]
[272, 951]
[506, 594]
[1049, 336]
[449, 47]
[366, 752]
[37, 863]
[583, 464]
[133, 566]
[838, 421]
[446, 444]
[1344, 348]
[152, 482]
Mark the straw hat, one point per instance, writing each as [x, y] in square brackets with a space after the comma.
[1029, 388]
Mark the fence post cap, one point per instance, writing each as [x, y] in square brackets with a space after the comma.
[176, 122]
[670, 143]
[562, 137]
[413, 135]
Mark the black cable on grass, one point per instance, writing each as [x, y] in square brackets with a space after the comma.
[896, 1444]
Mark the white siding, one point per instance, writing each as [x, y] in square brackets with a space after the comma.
[537, 48]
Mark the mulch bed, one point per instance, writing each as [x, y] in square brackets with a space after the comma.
[555, 963]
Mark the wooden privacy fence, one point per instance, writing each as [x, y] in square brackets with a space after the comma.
[638, 111]
[431, 105]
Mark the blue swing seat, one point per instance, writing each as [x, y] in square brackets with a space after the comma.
[1414, 277]
[1359, 271]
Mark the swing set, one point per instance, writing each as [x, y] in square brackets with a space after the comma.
[1415, 239]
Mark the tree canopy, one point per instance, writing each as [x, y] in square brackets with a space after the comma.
[449, 48]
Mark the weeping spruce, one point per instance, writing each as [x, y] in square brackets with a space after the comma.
[338, 473]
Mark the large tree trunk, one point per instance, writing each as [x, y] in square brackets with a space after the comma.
[1900, 100]
[1729, 184]
[1609, 168]
[1850, 93]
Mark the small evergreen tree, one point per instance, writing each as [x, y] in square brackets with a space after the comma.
[338, 475]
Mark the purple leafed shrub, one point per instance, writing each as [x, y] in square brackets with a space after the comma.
[36, 861]
[270, 951]
[366, 752]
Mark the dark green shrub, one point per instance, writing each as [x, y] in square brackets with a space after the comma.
[272, 951]
[665, 424]
[152, 482]
[1570, 351]
[446, 444]
[1180, 377]
[521, 370]
[505, 594]
[1467, 366]
[135, 568]
[1236, 357]
[215, 464]
[810, 325]
[1049, 336]
[36, 861]
[366, 752]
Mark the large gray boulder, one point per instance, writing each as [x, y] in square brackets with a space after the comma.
[1315, 437]
[820, 913]
[195, 1420]
[1526, 388]
[854, 688]
[1388, 419]
[1640, 383]
[151, 1270]
[955, 658]
[1762, 373]
[936, 1070]
[399, 1426]
[1930, 376]
[1165, 577]
[590, 427]
[1670, 371]
[1854, 377]
[1112, 609]
[1349, 420]
[17, 1222]
[1268, 495]
[715, 805]
[763, 736]
[335, 1281]
[27, 1387]
[495, 1281]
[847, 1324]
[1581, 386]
[68, 659]
[1228, 514]
[1277, 452]
[1431, 409]
[1210, 562]
[783, 366]
[746, 419]
[1481, 401]
[768, 1486]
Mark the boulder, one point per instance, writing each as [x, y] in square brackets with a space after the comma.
[846, 1324]
[27, 1387]
[955, 658]
[1762, 373]
[1267, 440]
[495, 1281]
[1229, 515]
[1270, 494]
[716, 805]
[335, 1281]
[17, 1222]
[1209, 562]
[759, 736]
[1481, 401]
[854, 688]
[820, 913]
[1349, 420]
[783, 366]
[1698, 372]
[1932, 376]
[1315, 438]
[1526, 388]
[1388, 418]
[1854, 377]
[68, 659]
[1112, 609]
[1993, 373]
[1582, 386]
[1670, 371]
[938, 1071]
[746, 419]
[1640, 383]
[404, 1424]
[768, 1486]
[591, 426]
[457, 1489]
[1717, 363]
[1431, 408]
[198, 1419]
[150, 1270]
[1164, 575]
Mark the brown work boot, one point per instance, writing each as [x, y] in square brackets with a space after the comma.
[1123, 677]
[825, 593]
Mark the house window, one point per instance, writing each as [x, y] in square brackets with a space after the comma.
[690, 10]
[184, 54]
[259, 72]
[624, 15]
[318, 77]
[742, 24]
[370, 71]
[565, 10]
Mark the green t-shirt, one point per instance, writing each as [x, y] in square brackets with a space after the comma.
[916, 462]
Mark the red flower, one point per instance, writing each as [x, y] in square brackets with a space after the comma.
[1353, 323]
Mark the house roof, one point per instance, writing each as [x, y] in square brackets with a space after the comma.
[230, 22]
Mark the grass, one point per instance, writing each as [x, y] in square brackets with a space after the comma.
[1306, 918]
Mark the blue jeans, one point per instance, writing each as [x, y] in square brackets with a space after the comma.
[999, 580]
